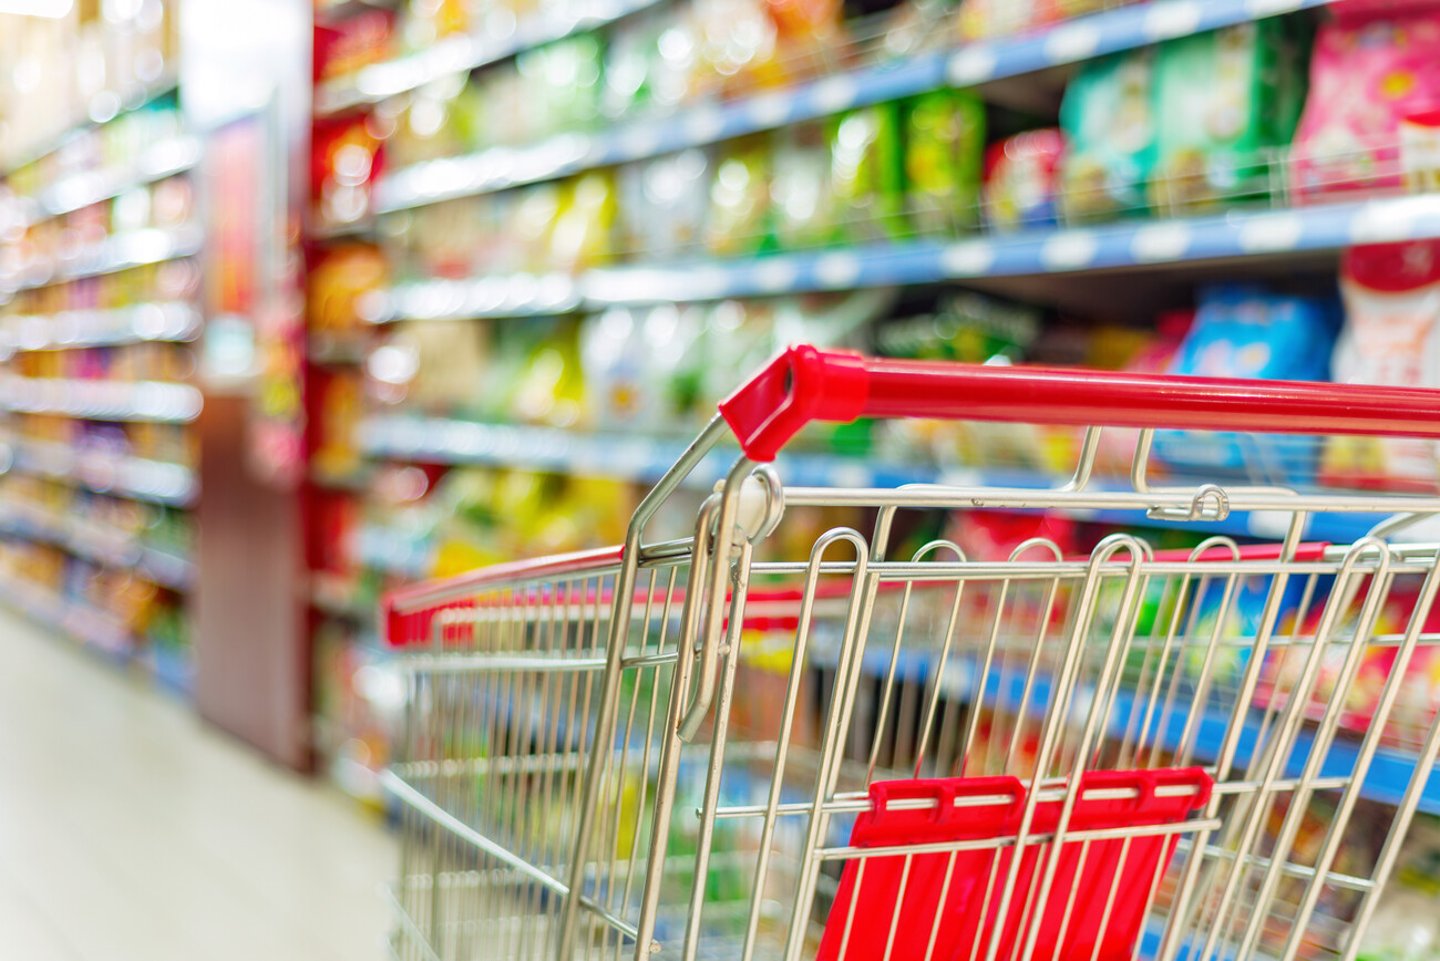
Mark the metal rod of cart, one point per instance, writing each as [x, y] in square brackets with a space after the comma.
[741, 744]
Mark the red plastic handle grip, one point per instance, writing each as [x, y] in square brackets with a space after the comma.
[805, 384]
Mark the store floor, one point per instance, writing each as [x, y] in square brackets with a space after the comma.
[131, 830]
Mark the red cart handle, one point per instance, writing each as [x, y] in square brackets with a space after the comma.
[805, 384]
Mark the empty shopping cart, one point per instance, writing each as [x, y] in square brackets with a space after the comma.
[852, 745]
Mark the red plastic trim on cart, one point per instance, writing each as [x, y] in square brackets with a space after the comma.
[805, 384]
[891, 905]
[406, 612]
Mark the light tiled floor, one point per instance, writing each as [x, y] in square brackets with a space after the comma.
[131, 830]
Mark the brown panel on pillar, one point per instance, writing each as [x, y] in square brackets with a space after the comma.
[252, 664]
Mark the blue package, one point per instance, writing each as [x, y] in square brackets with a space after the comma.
[1250, 332]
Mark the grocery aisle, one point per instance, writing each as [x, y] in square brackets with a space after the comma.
[131, 830]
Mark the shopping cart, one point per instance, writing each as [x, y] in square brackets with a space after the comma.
[730, 746]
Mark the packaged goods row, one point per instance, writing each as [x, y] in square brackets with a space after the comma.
[135, 611]
[659, 371]
[161, 442]
[941, 163]
[168, 205]
[173, 281]
[94, 60]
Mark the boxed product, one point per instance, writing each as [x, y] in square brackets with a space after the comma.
[641, 73]
[804, 211]
[582, 235]
[982, 19]
[338, 281]
[1118, 444]
[1250, 332]
[1367, 76]
[739, 199]
[969, 328]
[1108, 116]
[1391, 336]
[1022, 180]
[643, 366]
[868, 172]
[561, 83]
[944, 149]
[1225, 102]
[663, 203]
[345, 160]
[1406, 926]
[344, 47]
[741, 45]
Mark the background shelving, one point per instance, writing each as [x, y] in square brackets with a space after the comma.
[99, 291]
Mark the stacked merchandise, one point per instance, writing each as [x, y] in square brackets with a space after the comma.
[98, 308]
[354, 701]
[526, 369]
[94, 60]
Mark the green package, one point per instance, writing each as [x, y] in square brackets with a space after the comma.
[1108, 119]
[867, 171]
[803, 209]
[1225, 101]
[944, 158]
[562, 82]
[739, 200]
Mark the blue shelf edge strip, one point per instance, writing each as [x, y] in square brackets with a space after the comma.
[1136, 244]
[645, 460]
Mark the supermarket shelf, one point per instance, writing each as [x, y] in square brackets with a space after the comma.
[515, 295]
[459, 54]
[69, 329]
[1131, 246]
[973, 64]
[159, 161]
[644, 459]
[105, 107]
[147, 401]
[113, 548]
[106, 473]
[135, 248]
[90, 626]
[1390, 769]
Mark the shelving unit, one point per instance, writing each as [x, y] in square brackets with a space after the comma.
[160, 482]
[164, 159]
[463, 52]
[98, 478]
[1177, 245]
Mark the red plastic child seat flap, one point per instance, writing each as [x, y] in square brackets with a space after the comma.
[945, 905]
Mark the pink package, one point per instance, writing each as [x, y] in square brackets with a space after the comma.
[1366, 77]
[1354, 10]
